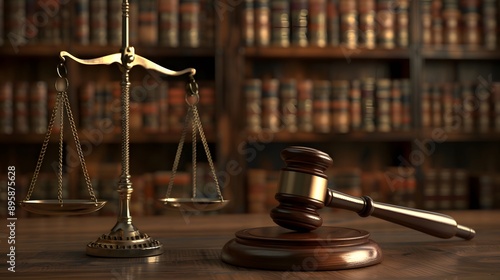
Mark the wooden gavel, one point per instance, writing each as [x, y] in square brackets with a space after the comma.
[304, 189]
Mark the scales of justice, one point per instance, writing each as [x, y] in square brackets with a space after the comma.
[302, 191]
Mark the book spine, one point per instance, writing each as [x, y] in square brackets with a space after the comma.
[262, 23]
[207, 21]
[426, 22]
[150, 112]
[305, 105]
[177, 108]
[402, 24]
[430, 192]
[115, 107]
[6, 108]
[447, 101]
[270, 105]
[207, 107]
[21, 110]
[451, 16]
[114, 22]
[436, 101]
[38, 107]
[460, 190]
[386, 34]
[368, 104]
[163, 106]
[333, 23]
[495, 91]
[340, 106]
[348, 23]
[288, 94]
[299, 20]
[383, 105]
[406, 104]
[168, 23]
[483, 111]
[134, 22]
[355, 112]
[280, 23]
[248, 23]
[321, 106]
[31, 32]
[467, 110]
[437, 22]
[81, 25]
[253, 95]
[367, 16]
[98, 22]
[445, 189]
[15, 19]
[470, 21]
[87, 101]
[396, 106]
[489, 23]
[317, 23]
[190, 23]
[426, 106]
[148, 23]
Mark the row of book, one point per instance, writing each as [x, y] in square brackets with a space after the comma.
[320, 23]
[461, 106]
[458, 189]
[168, 23]
[24, 107]
[160, 108]
[323, 106]
[148, 189]
[470, 23]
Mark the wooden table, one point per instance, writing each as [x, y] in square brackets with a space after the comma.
[54, 248]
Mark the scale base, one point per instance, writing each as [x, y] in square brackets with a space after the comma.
[124, 241]
[276, 248]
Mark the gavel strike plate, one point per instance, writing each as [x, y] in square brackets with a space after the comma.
[327, 248]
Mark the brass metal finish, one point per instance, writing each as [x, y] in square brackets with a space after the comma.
[292, 182]
[68, 207]
[194, 204]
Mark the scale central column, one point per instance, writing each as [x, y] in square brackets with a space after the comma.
[125, 240]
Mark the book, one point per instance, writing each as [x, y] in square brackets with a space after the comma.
[168, 23]
[305, 105]
[148, 22]
[2, 25]
[402, 23]
[470, 20]
[114, 23]
[495, 94]
[15, 23]
[383, 105]
[467, 96]
[368, 104]
[6, 108]
[299, 21]
[87, 102]
[447, 106]
[367, 17]
[253, 98]
[38, 107]
[270, 105]
[451, 17]
[386, 18]
[98, 16]
[437, 22]
[21, 109]
[426, 106]
[321, 106]
[280, 23]
[288, 101]
[426, 22]
[333, 23]
[190, 23]
[317, 23]
[340, 106]
[348, 23]
[248, 23]
[489, 23]
[436, 101]
[355, 112]
[150, 112]
[81, 22]
[396, 106]
[406, 104]
[262, 23]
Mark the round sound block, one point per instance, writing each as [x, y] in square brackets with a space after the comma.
[276, 248]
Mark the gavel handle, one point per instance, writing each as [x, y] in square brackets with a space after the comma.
[435, 224]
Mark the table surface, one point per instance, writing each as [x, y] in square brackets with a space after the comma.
[54, 248]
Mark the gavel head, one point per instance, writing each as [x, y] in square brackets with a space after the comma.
[302, 188]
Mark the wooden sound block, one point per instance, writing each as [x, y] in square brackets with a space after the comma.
[277, 248]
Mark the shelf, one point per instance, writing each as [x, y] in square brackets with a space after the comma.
[142, 137]
[459, 53]
[464, 136]
[327, 52]
[28, 138]
[304, 137]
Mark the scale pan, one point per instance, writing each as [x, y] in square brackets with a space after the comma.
[69, 207]
[194, 204]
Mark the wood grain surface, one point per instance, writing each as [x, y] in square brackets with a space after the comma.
[54, 248]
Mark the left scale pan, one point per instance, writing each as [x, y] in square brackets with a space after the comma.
[67, 207]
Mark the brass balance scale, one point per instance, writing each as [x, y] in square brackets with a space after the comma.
[124, 239]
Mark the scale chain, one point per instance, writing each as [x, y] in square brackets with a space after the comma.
[177, 156]
[61, 147]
